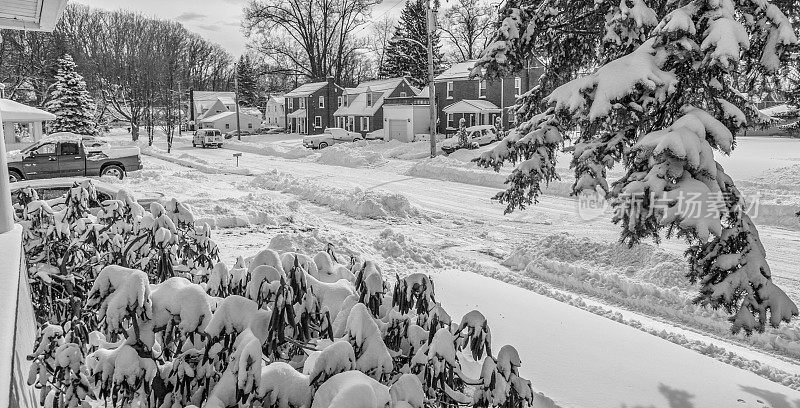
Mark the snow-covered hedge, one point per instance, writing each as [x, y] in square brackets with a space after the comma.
[134, 309]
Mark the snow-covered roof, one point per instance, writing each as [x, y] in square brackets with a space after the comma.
[426, 92]
[13, 111]
[306, 89]
[472, 106]
[204, 100]
[224, 115]
[379, 89]
[278, 99]
[459, 70]
[300, 113]
[250, 110]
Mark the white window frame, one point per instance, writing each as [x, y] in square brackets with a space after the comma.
[365, 123]
[517, 86]
[291, 104]
[321, 101]
[317, 122]
[482, 88]
[339, 101]
[302, 103]
[449, 120]
[369, 99]
[449, 89]
[403, 94]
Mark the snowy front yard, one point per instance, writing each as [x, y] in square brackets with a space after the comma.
[368, 199]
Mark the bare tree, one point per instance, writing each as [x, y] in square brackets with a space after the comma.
[315, 37]
[381, 32]
[467, 26]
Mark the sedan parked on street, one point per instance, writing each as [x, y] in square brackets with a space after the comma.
[477, 136]
[330, 137]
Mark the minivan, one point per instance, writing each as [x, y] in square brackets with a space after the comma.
[207, 137]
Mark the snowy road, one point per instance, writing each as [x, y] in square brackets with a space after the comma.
[461, 227]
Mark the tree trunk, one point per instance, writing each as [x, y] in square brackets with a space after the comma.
[134, 131]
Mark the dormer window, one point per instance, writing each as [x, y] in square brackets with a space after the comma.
[369, 99]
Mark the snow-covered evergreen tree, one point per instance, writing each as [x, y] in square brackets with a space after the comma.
[407, 53]
[248, 87]
[69, 100]
[661, 103]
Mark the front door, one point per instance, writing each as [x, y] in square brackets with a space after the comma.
[41, 162]
[70, 160]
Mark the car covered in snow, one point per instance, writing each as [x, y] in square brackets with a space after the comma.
[275, 130]
[477, 136]
[71, 155]
[207, 137]
[329, 137]
[54, 192]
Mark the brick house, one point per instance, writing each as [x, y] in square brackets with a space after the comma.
[360, 109]
[479, 101]
[309, 108]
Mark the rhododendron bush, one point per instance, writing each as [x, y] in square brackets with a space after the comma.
[135, 309]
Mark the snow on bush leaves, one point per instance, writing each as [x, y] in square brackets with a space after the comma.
[173, 342]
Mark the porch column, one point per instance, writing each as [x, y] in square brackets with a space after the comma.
[6, 211]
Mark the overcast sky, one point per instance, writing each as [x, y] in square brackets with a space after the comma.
[217, 20]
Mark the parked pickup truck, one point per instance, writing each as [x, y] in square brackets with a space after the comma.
[71, 155]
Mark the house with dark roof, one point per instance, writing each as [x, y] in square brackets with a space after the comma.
[480, 101]
[309, 108]
[360, 109]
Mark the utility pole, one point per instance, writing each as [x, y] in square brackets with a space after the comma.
[236, 98]
[431, 88]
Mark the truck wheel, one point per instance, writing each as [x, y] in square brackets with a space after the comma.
[14, 176]
[114, 171]
[194, 144]
[323, 145]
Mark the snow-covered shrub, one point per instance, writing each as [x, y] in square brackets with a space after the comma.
[275, 331]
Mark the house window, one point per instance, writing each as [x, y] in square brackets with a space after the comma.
[317, 121]
[450, 90]
[369, 99]
[227, 126]
[339, 101]
[365, 124]
[450, 120]
[482, 88]
[302, 103]
[517, 86]
[321, 101]
[472, 119]
[351, 123]
[403, 94]
[249, 125]
[291, 104]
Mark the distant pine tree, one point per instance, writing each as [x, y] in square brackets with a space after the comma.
[248, 87]
[69, 100]
[407, 53]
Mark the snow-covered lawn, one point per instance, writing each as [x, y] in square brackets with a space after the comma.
[444, 220]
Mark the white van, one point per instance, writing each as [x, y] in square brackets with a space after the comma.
[207, 137]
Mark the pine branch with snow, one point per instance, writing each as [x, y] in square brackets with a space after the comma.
[662, 109]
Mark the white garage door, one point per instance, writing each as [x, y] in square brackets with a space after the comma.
[398, 130]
